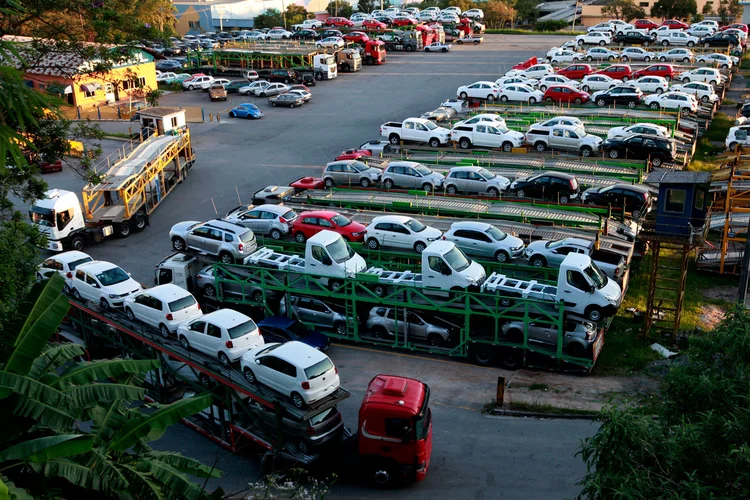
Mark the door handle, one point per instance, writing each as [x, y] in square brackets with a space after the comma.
[313, 264]
[566, 291]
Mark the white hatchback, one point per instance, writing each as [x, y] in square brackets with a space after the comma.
[400, 231]
[103, 283]
[63, 263]
[293, 369]
[163, 307]
[651, 84]
[224, 334]
[598, 82]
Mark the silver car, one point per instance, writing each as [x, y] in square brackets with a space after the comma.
[226, 240]
[272, 89]
[410, 174]
[475, 180]
[577, 337]
[348, 172]
[275, 220]
[384, 322]
[206, 283]
[314, 312]
[485, 240]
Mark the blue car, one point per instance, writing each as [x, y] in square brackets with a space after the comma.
[249, 111]
[283, 329]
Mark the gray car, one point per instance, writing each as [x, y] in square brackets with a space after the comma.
[384, 322]
[577, 337]
[485, 240]
[274, 220]
[410, 174]
[206, 283]
[348, 172]
[475, 180]
[315, 312]
[226, 240]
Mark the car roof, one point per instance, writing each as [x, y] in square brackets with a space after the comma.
[404, 164]
[466, 169]
[167, 292]
[70, 256]
[578, 241]
[632, 187]
[96, 266]
[561, 175]
[227, 318]
[277, 209]
[298, 354]
[478, 226]
[225, 225]
[390, 218]
[319, 213]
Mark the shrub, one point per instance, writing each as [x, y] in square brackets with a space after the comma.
[551, 25]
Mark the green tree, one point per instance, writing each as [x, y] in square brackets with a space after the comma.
[340, 8]
[47, 395]
[626, 10]
[526, 10]
[674, 9]
[370, 5]
[708, 9]
[295, 14]
[697, 445]
[497, 13]
[269, 19]
[728, 11]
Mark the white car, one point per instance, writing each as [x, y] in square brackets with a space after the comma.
[217, 81]
[710, 24]
[490, 135]
[65, 263]
[636, 54]
[254, 36]
[521, 93]
[427, 15]
[163, 307]
[738, 135]
[253, 88]
[683, 55]
[703, 91]
[438, 47]
[103, 283]
[676, 37]
[474, 14]
[739, 33]
[448, 17]
[224, 334]
[623, 27]
[479, 90]
[279, 34]
[537, 71]
[674, 101]
[197, 82]
[654, 33]
[331, 41]
[399, 231]
[492, 118]
[549, 80]
[165, 77]
[566, 56]
[708, 75]
[485, 240]
[602, 54]
[651, 84]
[304, 94]
[598, 82]
[507, 80]
[700, 31]
[722, 61]
[452, 8]
[547, 125]
[638, 128]
[594, 38]
[293, 369]
[602, 28]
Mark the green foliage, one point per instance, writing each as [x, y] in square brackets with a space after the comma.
[269, 19]
[551, 25]
[698, 446]
[295, 14]
[526, 10]
[497, 14]
[674, 9]
[728, 11]
[625, 10]
[370, 5]
[339, 8]
[153, 96]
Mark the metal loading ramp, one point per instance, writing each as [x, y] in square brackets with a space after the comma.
[121, 173]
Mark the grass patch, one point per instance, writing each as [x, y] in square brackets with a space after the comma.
[745, 63]
[705, 152]
[623, 353]
[719, 127]
[548, 409]
[728, 102]
[121, 135]
[538, 387]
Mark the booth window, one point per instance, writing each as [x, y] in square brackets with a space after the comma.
[700, 199]
[675, 201]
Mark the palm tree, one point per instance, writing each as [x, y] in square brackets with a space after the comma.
[49, 398]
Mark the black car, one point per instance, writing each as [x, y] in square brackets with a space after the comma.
[555, 186]
[641, 147]
[631, 197]
[288, 100]
[721, 40]
[327, 33]
[305, 34]
[622, 94]
[283, 76]
[633, 38]
[168, 65]
[235, 86]
[305, 75]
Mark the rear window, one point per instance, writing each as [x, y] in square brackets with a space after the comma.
[318, 369]
[289, 215]
[323, 416]
[242, 329]
[76, 263]
[247, 236]
[183, 303]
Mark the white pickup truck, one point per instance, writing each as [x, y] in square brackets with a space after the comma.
[581, 286]
[417, 130]
[311, 24]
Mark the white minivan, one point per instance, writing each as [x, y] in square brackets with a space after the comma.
[163, 307]
[224, 334]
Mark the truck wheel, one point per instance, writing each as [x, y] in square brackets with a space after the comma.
[538, 261]
[209, 291]
[511, 359]
[328, 183]
[226, 258]
[434, 142]
[178, 244]
[506, 301]
[594, 313]
[493, 192]
[319, 75]
[141, 221]
[394, 139]
[123, 229]
[299, 238]
[502, 256]
[298, 401]
[464, 143]
[507, 147]
[383, 476]
[419, 247]
[483, 354]
[77, 243]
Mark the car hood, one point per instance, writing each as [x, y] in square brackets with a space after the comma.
[373, 170]
[537, 246]
[127, 286]
[181, 228]
[315, 339]
[436, 177]
[616, 132]
[513, 241]
[355, 227]
[515, 134]
[589, 191]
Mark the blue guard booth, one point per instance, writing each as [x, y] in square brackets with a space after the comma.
[683, 199]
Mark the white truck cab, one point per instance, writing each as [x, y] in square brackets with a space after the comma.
[60, 217]
[325, 67]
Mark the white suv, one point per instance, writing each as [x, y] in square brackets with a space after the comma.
[399, 231]
[707, 75]
[163, 307]
[224, 334]
[273, 220]
[293, 369]
[103, 283]
[675, 37]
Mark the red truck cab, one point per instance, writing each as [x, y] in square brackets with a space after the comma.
[374, 52]
[395, 429]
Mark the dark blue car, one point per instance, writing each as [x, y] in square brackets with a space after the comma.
[246, 111]
[283, 329]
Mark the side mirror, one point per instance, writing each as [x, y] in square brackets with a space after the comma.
[257, 361]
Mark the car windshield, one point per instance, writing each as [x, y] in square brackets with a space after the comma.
[318, 369]
[112, 276]
[486, 173]
[457, 260]
[298, 330]
[340, 220]
[596, 275]
[496, 234]
[340, 251]
[554, 243]
[359, 166]
[238, 331]
[423, 170]
[183, 303]
[76, 263]
[415, 225]
[430, 125]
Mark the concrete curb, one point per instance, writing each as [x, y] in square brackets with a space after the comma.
[535, 414]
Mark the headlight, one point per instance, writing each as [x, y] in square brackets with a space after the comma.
[471, 280]
[112, 296]
[432, 239]
[349, 273]
[611, 299]
[374, 176]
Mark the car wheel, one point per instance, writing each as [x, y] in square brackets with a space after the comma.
[631, 104]
[507, 147]
[464, 143]
[451, 189]
[419, 247]
[502, 256]
[521, 193]
[575, 350]
[589, 58]
[665, 43]
[298, 401]
[231, 114]
[249, 375]
[291, 106]
[224, 359]
[538, 261]
[685, 111]
[548, 99]
[226, 258]
[463, 95]
[586, 88]
[600, 103]
[388, 183]
[663, 59]
[191, 87]
[299, 238]
[178, 244]
[503, 98]
[613, 153]
[209, 291]
[564, 199]
[660, 90]
[435, 340]
[394, 139]
[712, 82]
[184, 343]
[532, 100]
[427, 187]
[624, 58]
[76, 295]
[647, 58]
[129, 314]
[657, 161]
[586, 151]
[654, 105]
[276, 234]
[732, 146]
[493, 192]
[540, 146]
[704, 98]
[434, 142]
[594, 313]
[164, 331]
[373, 244]
[611, 58]
[602, 43]
[328, 183]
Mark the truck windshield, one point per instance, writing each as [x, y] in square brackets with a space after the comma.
[496, 234]
[359, 166]
[486, 173]
[238, 331]
[340, 251]
[112, 276]
[340, 220]
[415, 225]
[430, 125]
[42, 216]
[596, 276]
[457, 260]
[423, 419]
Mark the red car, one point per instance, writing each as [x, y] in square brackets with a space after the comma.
[404, 22]
[674, 24]
[661, 69]
[374, 24]
[357, 36]
[338, 21]
[308, 224]
[47, 167]
[565, 93]
[737, 26]
[618, 72]
[353, 154]
[645, 24]
[576, 71]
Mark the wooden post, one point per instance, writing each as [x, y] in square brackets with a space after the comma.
[500, 396]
